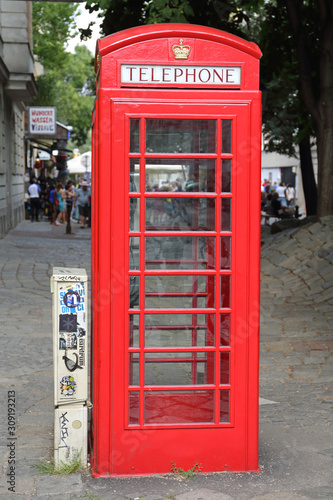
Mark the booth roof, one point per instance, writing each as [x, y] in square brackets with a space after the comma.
[130, 36]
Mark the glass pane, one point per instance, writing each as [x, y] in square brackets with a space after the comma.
[134, 368]
[134, 331]
[224, 406]
[174, 214]
[226, 214]
[134, 253]
[224, 367]
[226, 136]
[189, 175]
[134, 135]
[225, 290]
[226, 175]
[134, 214]
[179, 292]
[179, 368]
[133, 408]
[225, 252]
[180, 136]
[134, 180]
[179, 407]
[225, 330]
[179, 330]
[134, 292]
[180, 252]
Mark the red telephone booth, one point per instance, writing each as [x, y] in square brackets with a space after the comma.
[176, 241]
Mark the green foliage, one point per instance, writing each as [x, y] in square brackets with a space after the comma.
[186, 474]
[53, 26]
[48, 466]
[69, 79]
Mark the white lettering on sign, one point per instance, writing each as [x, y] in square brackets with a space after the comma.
[187, 75]
[42, 120]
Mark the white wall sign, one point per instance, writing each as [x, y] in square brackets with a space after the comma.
[186, 75]
[42, 121]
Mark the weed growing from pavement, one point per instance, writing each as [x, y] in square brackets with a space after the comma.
[186, 474]
[49, 467]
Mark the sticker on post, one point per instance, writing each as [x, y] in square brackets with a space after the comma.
[67, 386]
[72, 365]
[67, 340]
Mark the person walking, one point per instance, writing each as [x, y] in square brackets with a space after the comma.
[82, 201]
[34, 191]
[59, 200]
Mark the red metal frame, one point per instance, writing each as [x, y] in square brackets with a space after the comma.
[124, 443]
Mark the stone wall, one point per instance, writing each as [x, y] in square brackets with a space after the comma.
[17, 87]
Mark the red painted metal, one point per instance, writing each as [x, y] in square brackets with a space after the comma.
[172, 381]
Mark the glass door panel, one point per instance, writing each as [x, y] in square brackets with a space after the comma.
[180, 271]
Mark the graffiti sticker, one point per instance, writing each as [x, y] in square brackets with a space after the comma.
[72, 299]
[67, 386]
[72, 365]
[68, 322]
[67, 341]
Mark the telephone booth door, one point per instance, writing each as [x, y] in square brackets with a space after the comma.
[176, 257]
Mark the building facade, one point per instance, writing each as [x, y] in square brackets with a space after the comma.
[17, 88]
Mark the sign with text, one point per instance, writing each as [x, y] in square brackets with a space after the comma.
[185, 75]
[42, 121]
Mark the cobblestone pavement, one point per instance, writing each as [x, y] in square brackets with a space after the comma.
[296, 446]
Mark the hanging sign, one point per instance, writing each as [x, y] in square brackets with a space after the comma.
[186, 75]
[42, 121]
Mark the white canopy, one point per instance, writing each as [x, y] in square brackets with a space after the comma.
[80, 165]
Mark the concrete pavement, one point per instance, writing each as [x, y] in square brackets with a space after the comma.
[296, 445]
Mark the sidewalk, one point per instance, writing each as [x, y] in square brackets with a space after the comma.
[296, 445]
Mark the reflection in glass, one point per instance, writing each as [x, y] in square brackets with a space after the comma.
[225, 252]
[180, 252]
[179, 407]
[180, 136]
[179, 292]
[134, 135]
[226, 175]
[179, 368]
[133, 408]
[179, 330]
[134, 180]
[225, 330]
[226, 214]
[134, 292]
[134, 332]
[134, 253]
[173, 214]
[225, 406]
[134, 214]
[224, 367]
[176, 175]
[226, 136]
[134, 368]
[225, 290]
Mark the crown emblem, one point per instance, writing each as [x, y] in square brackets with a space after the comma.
[181, 51]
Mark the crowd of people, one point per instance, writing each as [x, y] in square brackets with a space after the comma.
[58, 202]
[278, 200]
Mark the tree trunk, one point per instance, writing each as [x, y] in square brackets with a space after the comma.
[308, 178]
[325, 168]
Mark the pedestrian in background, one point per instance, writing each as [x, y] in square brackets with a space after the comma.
[281, 191]
[82, 201]
[34, 191]
[59, 200]
[290, 194]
